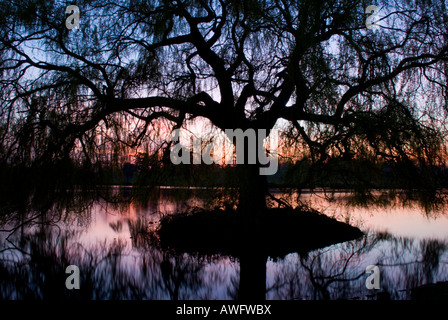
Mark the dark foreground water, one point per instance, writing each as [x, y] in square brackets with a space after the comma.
[118, 257]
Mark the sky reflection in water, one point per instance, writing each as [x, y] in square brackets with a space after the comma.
[118, 260]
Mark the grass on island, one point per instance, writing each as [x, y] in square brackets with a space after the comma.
[275, 233]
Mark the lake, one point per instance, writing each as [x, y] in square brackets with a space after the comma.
[110, 239]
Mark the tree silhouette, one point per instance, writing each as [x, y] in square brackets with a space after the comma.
[129, 69]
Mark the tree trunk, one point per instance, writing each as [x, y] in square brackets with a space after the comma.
[252, 191]
[251, 206]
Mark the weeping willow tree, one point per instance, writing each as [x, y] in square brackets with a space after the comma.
[132, 72]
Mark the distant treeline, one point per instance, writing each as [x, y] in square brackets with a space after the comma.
[337, 173]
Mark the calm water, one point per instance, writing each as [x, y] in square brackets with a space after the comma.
[112, 244]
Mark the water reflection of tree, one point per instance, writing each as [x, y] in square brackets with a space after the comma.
[114, 271]
[37, 248]
[412, 263]
[338, 272]
[314, 275]
[33, 263]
